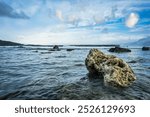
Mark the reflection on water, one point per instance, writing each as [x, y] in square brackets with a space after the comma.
[36, 73]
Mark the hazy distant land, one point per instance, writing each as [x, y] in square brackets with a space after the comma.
[140, 42]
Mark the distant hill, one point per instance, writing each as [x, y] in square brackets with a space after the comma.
[141, 42]
[8, 43]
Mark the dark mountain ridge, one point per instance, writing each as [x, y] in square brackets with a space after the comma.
[8, 43]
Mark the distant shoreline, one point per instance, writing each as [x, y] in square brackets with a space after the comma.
[9, 43]
[102, 45]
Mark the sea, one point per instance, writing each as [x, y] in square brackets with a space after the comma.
[35, 73]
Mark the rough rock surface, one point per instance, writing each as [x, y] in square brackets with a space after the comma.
[114, 70]
[119, 49]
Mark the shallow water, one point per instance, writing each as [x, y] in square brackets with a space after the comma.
[36, 73]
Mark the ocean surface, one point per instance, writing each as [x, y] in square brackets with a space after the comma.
[33, 72]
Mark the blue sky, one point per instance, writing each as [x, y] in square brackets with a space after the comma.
[74, 21]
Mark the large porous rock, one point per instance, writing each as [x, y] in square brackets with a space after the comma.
[146, 48]
[114, 70]
[119, 49]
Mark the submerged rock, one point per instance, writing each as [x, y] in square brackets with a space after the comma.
[114, 70]
[119, 49]
[146, 48]
[45, 52]
[35, 51]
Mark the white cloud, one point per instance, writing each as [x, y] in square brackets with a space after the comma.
[89, 13]
[132, 20]
[59, 15]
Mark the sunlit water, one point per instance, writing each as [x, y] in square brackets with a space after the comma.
[36, 73]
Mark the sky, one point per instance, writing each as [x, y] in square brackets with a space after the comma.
[74, 21]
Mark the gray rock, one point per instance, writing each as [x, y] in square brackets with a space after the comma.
[146, 48]
[55, 48]
[70, 49]
[119, 49]
[114, 70]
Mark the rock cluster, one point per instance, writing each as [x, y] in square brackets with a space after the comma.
[114, 70]
[119, 49]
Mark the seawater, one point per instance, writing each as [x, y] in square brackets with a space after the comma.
[33, 72]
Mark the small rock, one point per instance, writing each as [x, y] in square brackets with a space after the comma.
[133, 61]
[45, 52]
[60, 56]
[70, 49]
[79, 64]
[113, 70]
[55, 48]
[35, 51]
[119, 49]
[146, 48]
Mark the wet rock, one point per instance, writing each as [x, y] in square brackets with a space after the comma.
[79, 64]
[146, 48]
[45, 52]
[70, 49]
[35, 51]
[113, 70]
[119, 49]
[60, 56]
[133, 61]
[55, 48]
